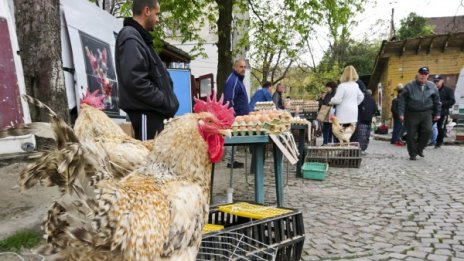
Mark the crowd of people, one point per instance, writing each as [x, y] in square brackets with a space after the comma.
[420, 112]
[421, 105]
[147, 95]
[353, 106]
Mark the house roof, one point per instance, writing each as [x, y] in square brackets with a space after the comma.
[414, 46]
[170, 53]
[448, 24]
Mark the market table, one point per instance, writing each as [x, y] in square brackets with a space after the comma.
[259, 142]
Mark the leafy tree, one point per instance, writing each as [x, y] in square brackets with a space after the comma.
[362, 56]
[414, 26]
[185, 19]
[181, 20]
[279, 30]
[339, 17]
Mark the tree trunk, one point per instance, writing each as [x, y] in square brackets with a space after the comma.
[224, 23]
[38, 31]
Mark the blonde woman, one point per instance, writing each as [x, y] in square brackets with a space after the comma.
[348, 97]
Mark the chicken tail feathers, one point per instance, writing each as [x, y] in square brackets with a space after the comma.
[41, 129]
[68, 226]
[62, 132]
[38, 104]
[61, 167]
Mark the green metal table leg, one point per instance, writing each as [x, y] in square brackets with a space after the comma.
[259, 173]
[278, 175]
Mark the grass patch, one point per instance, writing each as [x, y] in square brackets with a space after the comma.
[23, 239]
[411, 217]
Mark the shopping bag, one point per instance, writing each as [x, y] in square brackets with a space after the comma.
[323, 114]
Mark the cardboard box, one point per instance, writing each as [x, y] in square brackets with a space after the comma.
[127, 128]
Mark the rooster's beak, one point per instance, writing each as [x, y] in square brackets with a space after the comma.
[226, 132]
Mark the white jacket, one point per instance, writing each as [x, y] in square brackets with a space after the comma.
[347, 98]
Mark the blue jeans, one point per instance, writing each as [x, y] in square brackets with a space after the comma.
[326, 132]
[397, 127]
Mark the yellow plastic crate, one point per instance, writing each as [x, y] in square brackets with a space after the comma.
[211, 227]
[244, 209]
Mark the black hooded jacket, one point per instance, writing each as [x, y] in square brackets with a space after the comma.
[144, 82]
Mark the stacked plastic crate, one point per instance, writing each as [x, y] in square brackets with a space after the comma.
[244, 231]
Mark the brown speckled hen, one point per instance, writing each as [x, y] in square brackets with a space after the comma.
[124, 152]
[158, 210]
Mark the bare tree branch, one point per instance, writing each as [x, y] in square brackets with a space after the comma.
[302, 68]
[276, 65]
[254, 75]
[257, 15]
[286, 70]
[311, 53]
[256, 69]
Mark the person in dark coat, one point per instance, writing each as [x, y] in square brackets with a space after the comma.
[447, 101]
[277, 97]
[366, 111]
[261, 95]
[235, 93]
[234, 90]
[327, 136]
[397, 123]
[146, 91]
[418, 103]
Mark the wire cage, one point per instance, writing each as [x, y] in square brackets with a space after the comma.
[234, 246]
[283, 232]
[336, 155]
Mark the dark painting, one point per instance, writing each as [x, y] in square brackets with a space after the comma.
[101, 75]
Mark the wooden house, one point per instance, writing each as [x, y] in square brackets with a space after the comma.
[399, 61]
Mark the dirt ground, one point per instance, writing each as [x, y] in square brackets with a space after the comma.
[21, 210]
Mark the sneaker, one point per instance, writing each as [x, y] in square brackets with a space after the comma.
[363, 152]
[437, 146]
[236, 165]
[399, 144]
[421, 153]
[412, 158]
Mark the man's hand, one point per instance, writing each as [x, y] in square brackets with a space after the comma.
[436, 118]
[401, 118]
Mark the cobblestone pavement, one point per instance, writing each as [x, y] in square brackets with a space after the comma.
[390, 208]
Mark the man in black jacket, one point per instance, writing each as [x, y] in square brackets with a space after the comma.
[416, 105]
[447, 100]
[146, 91]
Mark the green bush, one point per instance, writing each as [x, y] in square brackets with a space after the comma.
[22, 239]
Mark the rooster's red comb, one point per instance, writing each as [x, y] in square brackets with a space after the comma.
[93, 100]
[220, 110]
